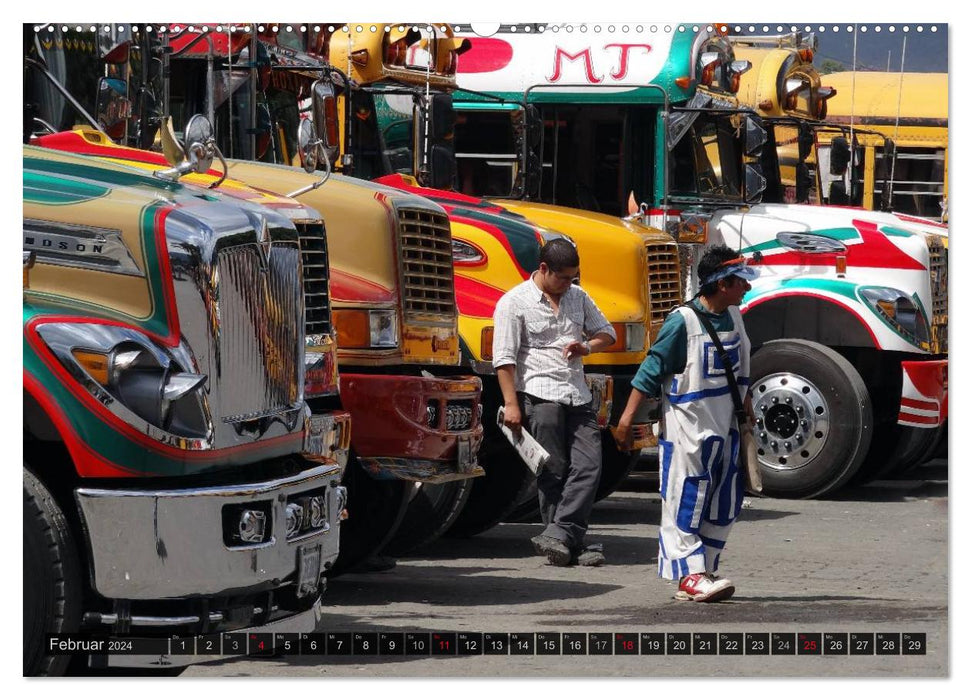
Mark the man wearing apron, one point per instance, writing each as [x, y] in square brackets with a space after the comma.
[701, 486]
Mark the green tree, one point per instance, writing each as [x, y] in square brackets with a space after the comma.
[830, 66]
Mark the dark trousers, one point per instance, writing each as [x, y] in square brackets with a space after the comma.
[568, 484]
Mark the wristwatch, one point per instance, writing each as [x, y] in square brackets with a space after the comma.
[586, 344]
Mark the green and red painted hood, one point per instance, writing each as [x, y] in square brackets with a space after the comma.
[882, 250]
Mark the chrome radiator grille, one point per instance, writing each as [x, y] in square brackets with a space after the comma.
[313, 251]
[426, 263]
[938, 272]
[664, 281]
[261, 337]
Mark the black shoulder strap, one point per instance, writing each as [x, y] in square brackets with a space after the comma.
[726, 362]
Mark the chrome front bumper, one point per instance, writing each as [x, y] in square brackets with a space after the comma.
[157, 544]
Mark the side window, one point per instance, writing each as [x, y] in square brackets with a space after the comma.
[486, 153]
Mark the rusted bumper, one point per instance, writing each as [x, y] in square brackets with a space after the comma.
[415, 428]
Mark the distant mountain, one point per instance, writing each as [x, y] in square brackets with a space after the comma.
[926, 51]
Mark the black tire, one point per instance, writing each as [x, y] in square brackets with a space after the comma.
[52, 579]
[919, 447]
[815, 418]
[897, 449]
[617, 465]
[376, 509]
[528, 507]
[432, 510]
[940, 451]
[496, 494]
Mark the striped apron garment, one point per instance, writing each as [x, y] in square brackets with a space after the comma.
[701, 488]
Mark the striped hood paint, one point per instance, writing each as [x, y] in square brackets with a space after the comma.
[86, 142]
[882, 250]
[520, 237]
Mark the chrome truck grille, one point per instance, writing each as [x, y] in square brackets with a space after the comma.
[664, 282]
[426, 263]
[261, 348]
[316, 292]
[938, 272]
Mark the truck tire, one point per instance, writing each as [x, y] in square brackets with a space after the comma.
[52, 579]
[918, 447]
[432, 510]
[814, 418]
[376, 508]
[897, 449]
[940, 452]
[527, 509]
[496, 494]
[617, 465]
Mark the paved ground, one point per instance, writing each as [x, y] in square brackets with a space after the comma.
[872, 560]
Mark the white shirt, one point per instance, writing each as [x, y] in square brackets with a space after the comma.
[529, 335]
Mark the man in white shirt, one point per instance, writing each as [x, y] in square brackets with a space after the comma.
[543, 329]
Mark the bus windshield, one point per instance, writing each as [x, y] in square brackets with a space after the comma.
[706, 161]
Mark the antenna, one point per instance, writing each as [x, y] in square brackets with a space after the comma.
[429, 57]
[852, 112]
[896, 125]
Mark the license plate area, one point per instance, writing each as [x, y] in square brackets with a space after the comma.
[465, 457]
[308, 569]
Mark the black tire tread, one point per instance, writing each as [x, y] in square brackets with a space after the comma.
[47, 534]
[378, 506]
[426, 519]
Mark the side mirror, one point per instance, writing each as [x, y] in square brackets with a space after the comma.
[308, 145]
[839, 156]
[755, 136]
[199, 143]
[443, 117]
[196, 152]
[437, 168]
[326, 118]
[114, 108]
[444, 171]
[755, 183]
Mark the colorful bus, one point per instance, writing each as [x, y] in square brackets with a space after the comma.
[401, 127]
[849, 316]
[390, 331]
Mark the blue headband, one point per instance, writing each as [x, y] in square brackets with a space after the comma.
[738, 270]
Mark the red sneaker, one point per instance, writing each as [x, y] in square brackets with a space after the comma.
[704, 588]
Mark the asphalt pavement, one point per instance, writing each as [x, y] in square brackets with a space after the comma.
[866, 568]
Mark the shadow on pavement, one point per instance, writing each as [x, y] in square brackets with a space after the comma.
[777, 613]
[440, 585]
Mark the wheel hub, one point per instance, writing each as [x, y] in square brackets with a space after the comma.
[792, 420]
